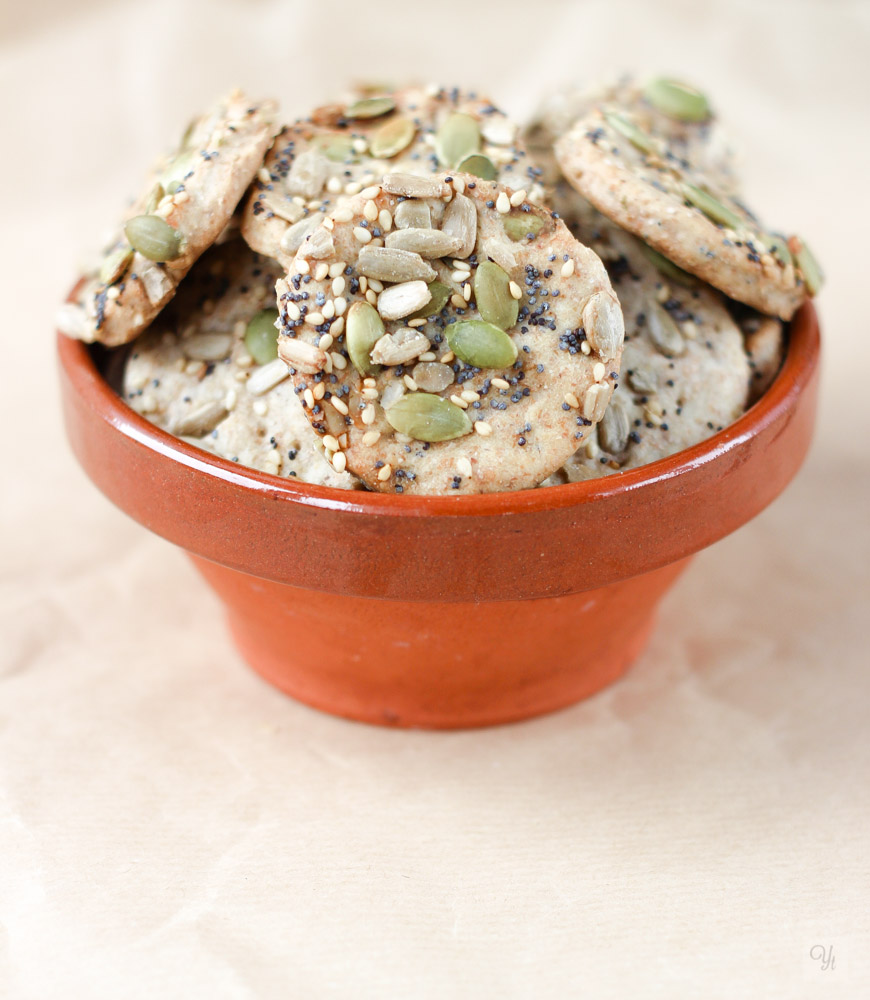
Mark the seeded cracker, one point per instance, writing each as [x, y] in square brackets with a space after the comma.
[193, 373]
[629, 176]
[320, 163]
[188, 200]
[685, 373]
[471, 355]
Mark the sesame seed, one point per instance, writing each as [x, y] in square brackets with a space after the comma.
[464, 467]
[319, 390]
[321, 271]
[483, 428]
[459, 276]
[370, 382]
[363, 283]
[599, 370]
[466, 291]
[330, 443]
[447, 358]
[308, 396]
[369, 392]
[340, 306]
[293, 310]
[342, 215]
[372, 297]
[362, 235]
[371, 438]
[261, 407]
[459, 401]
[585, 348]
[338, 360]
[337, 325]
[461, 265]
[368, 415]
[339, 461]
[370, 211]
[517, 198]
[572, 400]
[457, 301]
[428, 356]
[337, 268]
[385, 220]
[371, 192]
[334, 185]
[314, 319]
[328, 310]
[410, 383]
[352, 187]
[414, 323]
[385, 473]
[470, 396]
[503, 204]
[500, 383]
[302, 266]
[339, 404]
[567, 269]
[338, 285]
[376, 285]
[515, 290]
[325, 342]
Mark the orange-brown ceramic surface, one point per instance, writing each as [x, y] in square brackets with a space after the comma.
[429, 610]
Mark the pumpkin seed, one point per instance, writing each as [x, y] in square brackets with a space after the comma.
[392, 137]
[460, 220]
[428, 243]
[261, 337]
[479, 165]
[457, 138]
[174, 173]
[154, 198]
[481, 344]
[337, 148]
[677, 100]
[440, 294]
[664, 332]
[432, 376]
[779, 249]
[426, 417]
[710, 206]
[522, 226]
[115, 265]
[370, 107]
[387, 264]
[636, 136]
[492, 294]
[809, 267]
[153, 237]
[667, 267]
[363, 330]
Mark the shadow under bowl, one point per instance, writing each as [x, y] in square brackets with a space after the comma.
[440, 611]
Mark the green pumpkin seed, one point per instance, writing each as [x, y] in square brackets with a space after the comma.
[479, 165]
[364, 329]
[779, 249]
[370, 107]
[664, 332]
[115, 265]
[481, 344]
[425, 417]
[522, 226]
[440, 294]
[177, 169]
[457, 138]
[153, 237]
[677, 100]
[154, 198]
[392, 137]
[492, 294]
[261, 337]
[809, 268]
[667, 267]
[337, 148]
[636, 136]
[710, 206]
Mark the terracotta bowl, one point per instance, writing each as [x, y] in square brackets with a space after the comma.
[445, 611]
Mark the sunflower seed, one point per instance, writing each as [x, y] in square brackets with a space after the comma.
[440, 294]
[261, 337]
[269, 375]
[115, 265]
[414, 215]
[399, 347]
[432, 376]
[492, 294]
[284, 208]
[209, 346]
[595, 401]
[392, 394]
[614, 428]
[425, 417]
[603, 323]
[200, 420]
[392, 137]
[498, 131]
[302, 356]
[479, 166]
[370, 107]
[364, 329]
[710, 206]
[153, 237]
[502, 254]
[429, 243]
[296, 234]
[308, 174]
[460, 221]
[664, 332]
[481, 344]
[318, 246]
[457, 137]
[677, 100]
[399, 301]
[642, 380]
[154, 280]
[413, 186]
[389, 264]
[522, 225]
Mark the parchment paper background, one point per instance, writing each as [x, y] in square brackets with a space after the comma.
[171, 827]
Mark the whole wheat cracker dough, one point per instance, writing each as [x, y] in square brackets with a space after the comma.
[634, 180]
[192, 375]
[471, 355]
[685, 373]
[764, 339]
[699, 140]
[194, 193]
[320, 163]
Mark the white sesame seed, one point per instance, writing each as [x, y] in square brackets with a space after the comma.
[483, 428]
[325, 342]
[343, 440]
[464, 467]
[308, 396]
[459, 276]
[428, 356]
[336, 268]
[371, 192]
[328, 310]
[359, 144]
[231, 399]
[371, 438]
[567, 269]
[503, 204]
[334, 185]
[447, 358]
[363, 283]
[321, 271]
[370, 211]
[372, 297]
[319, 390]
[340, 306]
[585, 348]
[293, 310]
[352, 187]
[339, 461]
[375, 285]
[368, 415]
[515, 290]
[518, 197]
[459, 401]
[339, 360]
[385, 220]
[599, 370]
[337, 325]
[330, 443]
[314, 319]
[302, 266]
[469, 395]
[410, 383]
[361, 235]
[461, 265]
[113, 292]
[339, 404]
[298, 200]
[370, 383]
[180, 197]
[342, 214]
[572, 400]
[369, 392]
[414, 323]
[328, 224]
[385, 473]
[261, 407]
[466, 291]
[458, 301]
[501, 383]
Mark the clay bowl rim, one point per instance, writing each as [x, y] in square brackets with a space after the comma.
[802, 350]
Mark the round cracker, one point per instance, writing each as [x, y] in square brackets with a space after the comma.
[320, 163]
[192, 375]
[528, 417]
[643, 193]
[207, 176]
